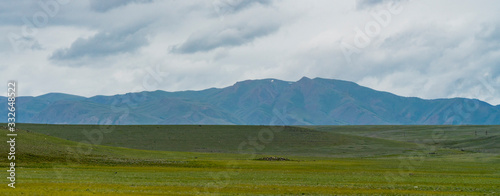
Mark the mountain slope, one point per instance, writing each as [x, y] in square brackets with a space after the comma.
[258, 102]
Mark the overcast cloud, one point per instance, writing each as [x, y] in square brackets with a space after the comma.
[428, 49]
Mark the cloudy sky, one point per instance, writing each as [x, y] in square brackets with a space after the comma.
[428, 49]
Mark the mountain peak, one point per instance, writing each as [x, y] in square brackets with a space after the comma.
[304, 79]
[60, 96]
[308, 101]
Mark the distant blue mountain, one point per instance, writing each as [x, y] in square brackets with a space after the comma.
[257, 102]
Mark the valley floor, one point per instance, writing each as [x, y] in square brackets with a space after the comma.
[48, 166]
[387, 176]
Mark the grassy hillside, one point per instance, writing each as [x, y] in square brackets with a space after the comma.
[290, 141]
[320, 141]
[484, 139]
[35, 149]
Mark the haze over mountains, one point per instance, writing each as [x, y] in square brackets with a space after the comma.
[257, 102]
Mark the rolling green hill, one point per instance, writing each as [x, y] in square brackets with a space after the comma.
[467, 138]
[286, 140]
[36, 148]
[318, 141]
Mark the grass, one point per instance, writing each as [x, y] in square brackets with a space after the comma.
[227, 139]
[374, 163]
[471, 138]
[344, 176]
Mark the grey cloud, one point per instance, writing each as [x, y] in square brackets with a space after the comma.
[222, 36]
[489, 35]
[103, 44]
[489, 31]
[24, 43]
[223, 7]
[104, 6]
[448, 58]
[429, 42]
[488, 47]
[419, 54]
[367, 3]
[364, 4]
[12, 12]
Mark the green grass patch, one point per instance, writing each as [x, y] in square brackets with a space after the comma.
[361, 160]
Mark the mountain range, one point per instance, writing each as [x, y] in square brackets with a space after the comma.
[308, 101]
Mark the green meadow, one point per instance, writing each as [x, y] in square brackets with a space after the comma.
[224, 160]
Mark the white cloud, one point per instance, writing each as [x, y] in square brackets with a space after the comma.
[432, 49]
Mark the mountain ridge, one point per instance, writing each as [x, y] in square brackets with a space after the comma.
[308, 101]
